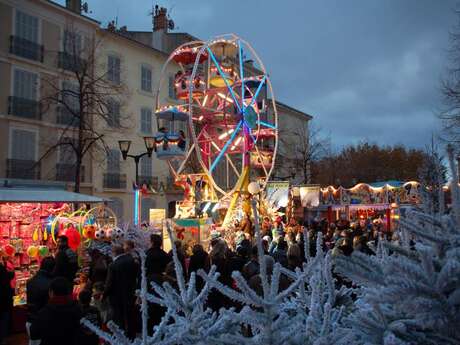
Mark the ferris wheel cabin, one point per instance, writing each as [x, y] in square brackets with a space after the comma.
[170, 142]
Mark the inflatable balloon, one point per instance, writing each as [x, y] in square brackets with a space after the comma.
[48, 224]
[89, 231]
[43, 251]
[73, 236]
[9, 250]
[108, 233]
[32, 251]
[117, 233]
[99, 234]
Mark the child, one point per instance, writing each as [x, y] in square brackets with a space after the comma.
[101, 305]
[85, 336]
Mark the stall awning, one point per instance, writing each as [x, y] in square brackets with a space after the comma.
[44, 195]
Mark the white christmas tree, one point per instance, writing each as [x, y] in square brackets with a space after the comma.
[308, 311]
[413, 295]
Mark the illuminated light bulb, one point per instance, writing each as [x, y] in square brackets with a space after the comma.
[223, 135]
[206, 207]
[201, 118]
[221, 95]
[214, 209]
[205, 100]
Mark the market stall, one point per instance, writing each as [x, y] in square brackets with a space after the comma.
[30, 220]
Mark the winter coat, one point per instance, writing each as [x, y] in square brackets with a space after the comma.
[156, 261]
[66, 264]
[37, 292]
[6, 293]
[85, 336]
[57, 323]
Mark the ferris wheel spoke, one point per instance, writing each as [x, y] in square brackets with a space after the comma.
[224, 149]
[261, 160]
[225, 79]
[256, 94]
[241, 74]
[266, 124]
[182, 166]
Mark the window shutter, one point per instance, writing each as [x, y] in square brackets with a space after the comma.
[146, 79]
[25, 84]
[146, 120]
[146, 166]
[113, 69]
[113, 161]
[23, 144]
[26, 26]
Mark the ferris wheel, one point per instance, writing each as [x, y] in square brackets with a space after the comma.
[222, 128]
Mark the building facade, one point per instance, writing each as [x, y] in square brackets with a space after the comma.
[35, 61]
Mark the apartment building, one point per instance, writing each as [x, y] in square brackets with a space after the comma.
[33, 52]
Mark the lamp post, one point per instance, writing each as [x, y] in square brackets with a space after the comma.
[124, 148]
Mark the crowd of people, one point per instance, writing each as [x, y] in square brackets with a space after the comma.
[60, 293]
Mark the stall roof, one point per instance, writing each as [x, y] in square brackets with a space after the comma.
[44, 195]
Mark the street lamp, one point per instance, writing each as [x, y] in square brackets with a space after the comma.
[124, 148]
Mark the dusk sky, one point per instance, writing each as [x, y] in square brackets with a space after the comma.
[367, 69]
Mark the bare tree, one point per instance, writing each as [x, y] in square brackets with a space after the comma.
[298, 149]
[450, 88]
[86, 97]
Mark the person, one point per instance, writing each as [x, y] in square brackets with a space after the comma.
[66, 260]
[120, 287]
[180, 254]
[59, 321]
[99, 303]
[37, 291]
[360, 244]
[91, 313]
[6, 297]
[279, 252]
[198, 260]
[251, 268]
[156, 258]
[98, 267]
[182, 142]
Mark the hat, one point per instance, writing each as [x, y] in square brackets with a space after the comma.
[215, 234]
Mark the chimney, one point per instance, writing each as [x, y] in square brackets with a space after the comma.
[160, 27]
[73, 5]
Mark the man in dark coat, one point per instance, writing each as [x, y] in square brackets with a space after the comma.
[157, 259]
[6, 298]
[120, 288]
[38, 289]
[59, 321]
[66, 260]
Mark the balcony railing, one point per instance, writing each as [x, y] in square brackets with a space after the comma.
[115, 181]
[66, 172]
[66, 118]
[70, 62]
[23, 169]
[26, 49]
[23, 107]
[151, 180]
[170, 186]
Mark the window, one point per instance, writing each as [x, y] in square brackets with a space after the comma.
[23, 144]
[70, 95]
[113, 69]
[113, 161]
[146, 79]
[171, 88]
[146, 120]
[146, 205]
[146, 166]
[66, 152]
[26, 26]
[72, 42]
[113, 113]
[25, 84]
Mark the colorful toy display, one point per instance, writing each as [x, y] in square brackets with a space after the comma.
[225, 127]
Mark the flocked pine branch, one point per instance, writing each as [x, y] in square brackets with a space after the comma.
[413, 295]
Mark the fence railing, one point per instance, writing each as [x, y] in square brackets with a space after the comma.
[27, 49]
[22, 169]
